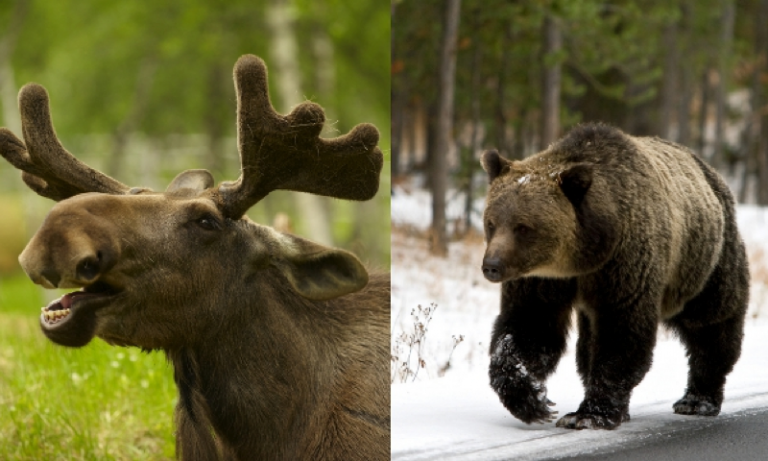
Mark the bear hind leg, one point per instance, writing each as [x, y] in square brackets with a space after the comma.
[712, 352]
[711, 327]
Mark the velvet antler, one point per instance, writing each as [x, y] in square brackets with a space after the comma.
[276, 151]
[47, 168]
[286, 152]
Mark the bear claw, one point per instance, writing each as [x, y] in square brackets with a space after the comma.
[693, 405]
[590, 421]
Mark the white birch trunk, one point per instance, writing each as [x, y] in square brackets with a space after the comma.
[285, 62]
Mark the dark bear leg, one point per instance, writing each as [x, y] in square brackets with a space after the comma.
[711, 325]
[529, 337]
[612, 360]
[712, 352]
[584, 348]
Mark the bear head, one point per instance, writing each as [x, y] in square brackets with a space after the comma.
[531, 217]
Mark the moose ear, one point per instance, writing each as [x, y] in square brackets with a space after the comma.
[317, 272]
[195, 180]
[494, 164]
[575, 182]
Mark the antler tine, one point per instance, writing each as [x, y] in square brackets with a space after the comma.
[286, 152]
[47, 168]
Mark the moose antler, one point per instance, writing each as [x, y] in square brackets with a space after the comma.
[286, 152]
[276, 152]
[47, 168]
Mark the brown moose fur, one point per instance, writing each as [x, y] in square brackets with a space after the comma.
[631, 232]
[280, 346]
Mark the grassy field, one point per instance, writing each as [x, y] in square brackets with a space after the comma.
[95, 403]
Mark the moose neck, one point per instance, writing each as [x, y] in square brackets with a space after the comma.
[261, 376]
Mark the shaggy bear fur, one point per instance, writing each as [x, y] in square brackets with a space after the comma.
[630, 232]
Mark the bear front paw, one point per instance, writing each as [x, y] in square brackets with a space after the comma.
[579, 421]
[522, 394]
[692, 404]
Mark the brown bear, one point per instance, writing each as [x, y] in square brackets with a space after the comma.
[630, 232]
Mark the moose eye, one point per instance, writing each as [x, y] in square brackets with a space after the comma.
[208, 222]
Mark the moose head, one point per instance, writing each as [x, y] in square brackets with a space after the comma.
[141, 259]
[279, 344]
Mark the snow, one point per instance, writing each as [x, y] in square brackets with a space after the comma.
[442, 404]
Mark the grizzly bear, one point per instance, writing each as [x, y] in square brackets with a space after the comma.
[630, 232]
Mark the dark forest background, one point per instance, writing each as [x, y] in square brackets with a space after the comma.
[468, 75]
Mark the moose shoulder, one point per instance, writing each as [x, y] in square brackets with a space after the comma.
[277, 343]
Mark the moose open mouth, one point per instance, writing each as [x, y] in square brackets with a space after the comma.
[71, 319]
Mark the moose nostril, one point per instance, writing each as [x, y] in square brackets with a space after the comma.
[52, 277]
[88, 268]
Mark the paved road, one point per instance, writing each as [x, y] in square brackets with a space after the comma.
[740, 436]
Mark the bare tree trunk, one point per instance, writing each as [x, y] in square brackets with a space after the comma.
[726, 38]
[8, 90]
[215, 123]
[500, 128]
[473, 142]
[686, 79]
[762, 103]
[431, 144]
[552, 75]
[703, 113]
[285, 59]
[397, 106]
[669, 82]
[439, 164]
[11, 118]
[684, 106]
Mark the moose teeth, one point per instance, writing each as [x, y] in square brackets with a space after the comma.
[55, 315]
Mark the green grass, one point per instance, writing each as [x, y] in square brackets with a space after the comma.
[94, 403]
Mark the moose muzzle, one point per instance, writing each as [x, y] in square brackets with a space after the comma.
[57, 258]
[72, 249]
[75, 244]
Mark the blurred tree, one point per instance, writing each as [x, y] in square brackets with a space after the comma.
[14, 23]
[551, 85]
[676, 69]
[760, 107]
[284, 54]
[144, 90]
[444, 134]
[721, 91]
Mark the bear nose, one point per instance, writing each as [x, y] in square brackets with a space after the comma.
[493, 269]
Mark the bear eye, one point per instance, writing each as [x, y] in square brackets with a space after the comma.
[491, 227]
[522, 230]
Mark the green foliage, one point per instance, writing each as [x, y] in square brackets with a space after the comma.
[156, 72]
[95, 403]
[90, 55]
[12, 232]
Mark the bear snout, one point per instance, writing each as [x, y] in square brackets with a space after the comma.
[493, 269]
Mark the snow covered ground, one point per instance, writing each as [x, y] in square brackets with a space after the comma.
[442, 313]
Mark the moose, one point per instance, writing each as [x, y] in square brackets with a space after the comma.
[279, 345]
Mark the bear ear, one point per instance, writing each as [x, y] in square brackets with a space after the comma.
[575, 182]
[494, 164]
